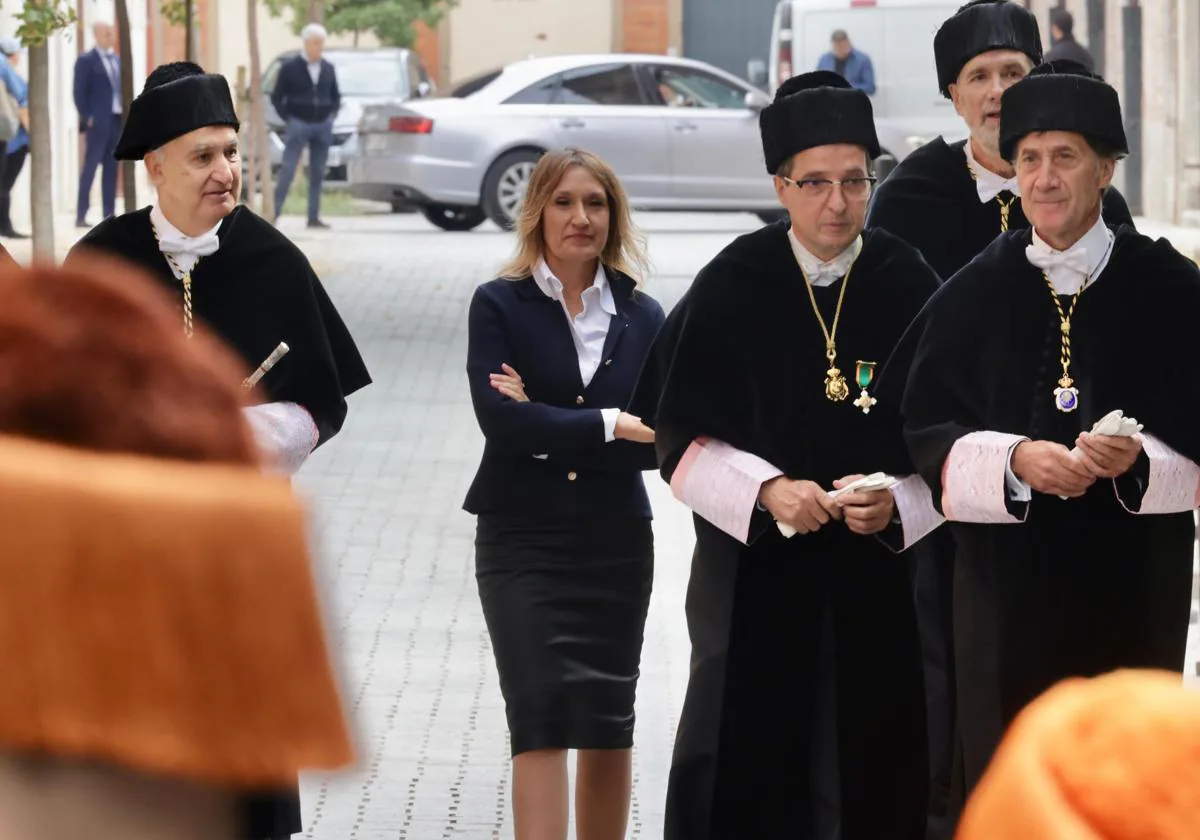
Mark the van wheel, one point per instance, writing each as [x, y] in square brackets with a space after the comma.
[505, 184]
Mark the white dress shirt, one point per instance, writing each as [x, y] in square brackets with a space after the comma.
[821, 273]
[1068, 272]
[185, 250]
[314, 70]
[987, 183]
[589, 329]
[109, 59]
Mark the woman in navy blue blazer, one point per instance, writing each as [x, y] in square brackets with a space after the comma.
[564, 554]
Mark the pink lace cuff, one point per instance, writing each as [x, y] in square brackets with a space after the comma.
[973, 485]
[1174, 485]
[721, 484]
[286, 434]
[914, 506]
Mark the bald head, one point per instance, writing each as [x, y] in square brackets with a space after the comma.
[104, 34]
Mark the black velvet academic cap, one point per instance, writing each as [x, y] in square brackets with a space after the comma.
[178, 98]
[982, 26]
[816, 109]
[1061, 96]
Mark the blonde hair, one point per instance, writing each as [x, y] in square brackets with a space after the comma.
[625, 249]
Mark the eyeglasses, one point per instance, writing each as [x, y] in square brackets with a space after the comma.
[822, 187]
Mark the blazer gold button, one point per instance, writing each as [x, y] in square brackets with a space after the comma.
[579, 400]
[572, 475]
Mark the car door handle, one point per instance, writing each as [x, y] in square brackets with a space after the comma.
[572, 122]
[685, 126]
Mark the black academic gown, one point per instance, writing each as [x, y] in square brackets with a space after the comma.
[930, 202]
[741, 359]
[257, 290]
[1083, 586]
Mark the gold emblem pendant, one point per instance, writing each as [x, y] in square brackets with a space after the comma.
[836, 388]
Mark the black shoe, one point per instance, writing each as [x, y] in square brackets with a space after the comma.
[82, 223]
[12, 234]
[318, 225]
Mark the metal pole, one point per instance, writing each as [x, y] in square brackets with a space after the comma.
[1097, 11]
[1131, 20]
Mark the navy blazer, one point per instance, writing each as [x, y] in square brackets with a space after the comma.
[93, 86]
[514, 322]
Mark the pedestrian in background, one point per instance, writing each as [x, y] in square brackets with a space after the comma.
[1064, 45]
[17, 148]
[98, 101]
[564, 553]
[852, 65]
[306, 96]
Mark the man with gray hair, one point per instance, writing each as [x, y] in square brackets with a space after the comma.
[306, 97]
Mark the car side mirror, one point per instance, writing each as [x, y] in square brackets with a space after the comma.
[756, 101]
[424, 89]
[756, 72]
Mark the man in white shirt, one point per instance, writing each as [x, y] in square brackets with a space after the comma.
[98, 101]
[1074, 543]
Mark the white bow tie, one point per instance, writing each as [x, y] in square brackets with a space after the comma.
[823, 274]
[1076, 259]
[175, 243]
[992, 187]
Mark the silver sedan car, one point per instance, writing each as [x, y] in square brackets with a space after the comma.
[681, 134]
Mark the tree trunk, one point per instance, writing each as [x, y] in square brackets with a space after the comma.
[40, 165]
[316, 11]
[128, 174]
[258, 119]
[189, 27]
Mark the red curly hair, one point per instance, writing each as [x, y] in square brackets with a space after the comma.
[95, 356]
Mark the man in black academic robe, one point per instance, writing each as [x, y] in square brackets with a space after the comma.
[1074, 549]
[949, 201]
[804, 715]
[243, 279]
[228, 267]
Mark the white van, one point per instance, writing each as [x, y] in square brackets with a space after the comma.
[898, 37]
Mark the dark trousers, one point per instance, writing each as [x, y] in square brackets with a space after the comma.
[318, 137]
[101, 142]
[12, 166]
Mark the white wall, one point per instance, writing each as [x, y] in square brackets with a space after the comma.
[485, 34]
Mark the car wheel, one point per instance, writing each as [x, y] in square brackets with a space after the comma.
[770, 217]
[505, 184]
[453, 218]
[884, 164]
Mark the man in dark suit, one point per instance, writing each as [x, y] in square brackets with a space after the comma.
[306, 96]
[98, 101]
[1062, 36]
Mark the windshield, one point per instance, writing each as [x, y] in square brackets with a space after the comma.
[363, 76]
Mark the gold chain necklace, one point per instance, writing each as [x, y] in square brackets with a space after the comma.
[836, 388]
[1066, 395]
[185, 277]
[1005, 206]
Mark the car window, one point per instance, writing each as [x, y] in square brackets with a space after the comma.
[609, 84]
[474, 84]
[270, 76]
[541, 93]
[683, 87]
[370, 75]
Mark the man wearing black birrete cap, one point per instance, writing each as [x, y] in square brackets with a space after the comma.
[760, 388]
[227, 266]
[1051, 408]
